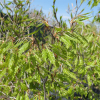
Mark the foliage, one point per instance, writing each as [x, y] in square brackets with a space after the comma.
[67, 65]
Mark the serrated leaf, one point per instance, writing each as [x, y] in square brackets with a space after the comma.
[11, 61]
[67, 63]
[80, 61]
[66, 41]
[17, 44]
[70, 90]
[23, 48]
[70, 74]
[16, 69]
[2, 73]
[37, 58]
[76, 61]
[51, 56]
[44, 55]
[71, 37]
[80, 22]
[89, 81]
[90, 37]
[7, 47]
[81, 38]
[23, 87]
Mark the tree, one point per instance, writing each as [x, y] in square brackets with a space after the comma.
[68, 66]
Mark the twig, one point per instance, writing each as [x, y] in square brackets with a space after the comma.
[5, 96]
[55, 14]
[7, 86]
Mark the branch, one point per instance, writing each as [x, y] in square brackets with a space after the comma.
[55, 13]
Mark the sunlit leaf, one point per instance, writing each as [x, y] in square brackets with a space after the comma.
[51, 56]
[89, 80]
[44, 55]
[23, 48]
[70, 74]
[18, 97]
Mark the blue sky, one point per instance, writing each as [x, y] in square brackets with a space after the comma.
[62, 6]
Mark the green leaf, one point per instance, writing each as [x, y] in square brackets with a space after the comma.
[82, 10]
[3, 73]
[41, 31]
[81, 61]
[71, 37]
[89, 38]
[7, 47]
[44, 55]
[22, 98]
[60, 17]
[28, 20]
[51, 56]
[16, 70]
[9, 3]
[56, 9]
[71, 15]
[18, 97]
[89, 3]
[70, 90]
[95, 3]
[80, 22]
[56, 49]
[23, 87]
[70, 74]
[68, 63]
[32, 58]
[39, 25]
[1, 58]
[82, 1]
[53, 6]
[35, 31]
[76, 61]
[8, 8]
[23, 48]
[81, 38]
[66, 41]
[37, 58]
[18, 43]
[11, 62]
[89, 80]
[58, 29]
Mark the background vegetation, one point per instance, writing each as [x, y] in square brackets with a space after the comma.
[40, 62]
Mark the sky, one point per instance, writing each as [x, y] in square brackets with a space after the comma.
[62, 6]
